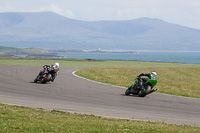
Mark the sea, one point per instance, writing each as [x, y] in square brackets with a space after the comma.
[179, 57]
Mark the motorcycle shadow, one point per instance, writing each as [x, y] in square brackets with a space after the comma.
[132, 95]
[39, 83]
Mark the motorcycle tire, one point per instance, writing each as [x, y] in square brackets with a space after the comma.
[146, 91]
[35, 81]
[128, 91]
[46, 79]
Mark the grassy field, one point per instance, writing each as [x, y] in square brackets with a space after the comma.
[26, 120]
[174, 81]
[91, 63]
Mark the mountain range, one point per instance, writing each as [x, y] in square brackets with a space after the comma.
[52, 31]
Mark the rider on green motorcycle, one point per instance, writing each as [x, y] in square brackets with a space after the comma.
[151, 75]
[143, 86]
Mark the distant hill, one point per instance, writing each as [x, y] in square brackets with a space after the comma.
[50, 30]
[10, 51]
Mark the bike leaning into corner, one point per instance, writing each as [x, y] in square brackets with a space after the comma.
[143, 86]
[48, 73]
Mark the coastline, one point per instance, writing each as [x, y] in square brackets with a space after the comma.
[189, 57]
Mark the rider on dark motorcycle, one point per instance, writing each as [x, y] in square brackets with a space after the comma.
[53, 70]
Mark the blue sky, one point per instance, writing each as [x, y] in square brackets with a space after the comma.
[182, 12]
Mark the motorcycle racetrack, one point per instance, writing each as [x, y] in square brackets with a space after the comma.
[73, 94]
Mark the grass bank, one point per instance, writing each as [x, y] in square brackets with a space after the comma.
[174, 81]
[91, 63]
[24, 119]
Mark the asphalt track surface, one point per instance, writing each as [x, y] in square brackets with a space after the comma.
[73, 94]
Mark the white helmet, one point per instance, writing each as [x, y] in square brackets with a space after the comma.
[56, 65]
[154, 73]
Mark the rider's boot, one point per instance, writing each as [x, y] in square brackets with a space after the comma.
[53, 78]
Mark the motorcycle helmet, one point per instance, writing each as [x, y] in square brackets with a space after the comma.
[56, 65]
[154, 73]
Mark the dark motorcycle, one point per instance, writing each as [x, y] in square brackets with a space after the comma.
[44, 76]
[136, 88]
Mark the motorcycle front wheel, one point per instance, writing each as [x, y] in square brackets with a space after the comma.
[128, 91]
[47, 78]
[143, 93]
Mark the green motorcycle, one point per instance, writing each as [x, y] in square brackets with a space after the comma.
[145, 89]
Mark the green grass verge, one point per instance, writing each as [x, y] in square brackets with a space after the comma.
[174, 81]
[23, 119]
[90, 63]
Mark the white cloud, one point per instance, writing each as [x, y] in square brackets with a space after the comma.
[69, 13]
[53, 8]
[50, 7]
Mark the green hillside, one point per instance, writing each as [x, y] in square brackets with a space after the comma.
[11, 51]
[6, 50]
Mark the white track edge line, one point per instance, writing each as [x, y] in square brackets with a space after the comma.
[73, 73]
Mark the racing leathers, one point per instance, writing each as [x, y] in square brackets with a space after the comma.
[48, 69]
[54, 72]
[149, 75]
